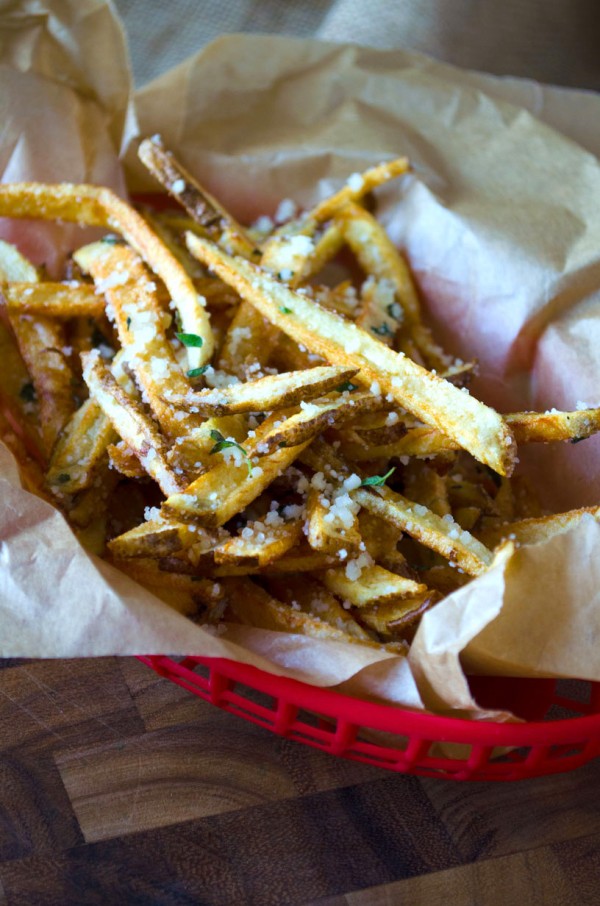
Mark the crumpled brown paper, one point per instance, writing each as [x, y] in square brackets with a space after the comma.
[501, 225]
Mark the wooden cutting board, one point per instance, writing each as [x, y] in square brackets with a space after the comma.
[118, 787]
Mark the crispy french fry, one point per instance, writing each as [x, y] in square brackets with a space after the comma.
[534, 530]
[55, 300]
[131, 423]
[42, 343]
[264, 394]
[155, 539]
[332, 525]
[479, 429]
[373, 585]
[391, 618]
[359, 185]
[96, 206]
[259, 544]
[202, 207]
[309, 595]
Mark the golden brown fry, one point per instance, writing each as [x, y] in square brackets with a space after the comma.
[373, 585]
[55, 300]
[250, 340]
[359, 185]
[534, 530]
[251, 605]
[124, 461]
[260, 543]
[156, 538]
[264, 394]
[229, 486]
[475, 426]
[332, 526]
[390, 619]
[200, 205]
[131, 423]
[95, 206]
[305, 593]
[313, 418]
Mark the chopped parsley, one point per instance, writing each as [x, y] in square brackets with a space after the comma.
[285, 311]
[394, 310]
[196, 372]
[190, 339]
[383, 330]
[27, 393]
[347, 386]
[110, 239]
[376, 481]
[223, 444]
[128, 323]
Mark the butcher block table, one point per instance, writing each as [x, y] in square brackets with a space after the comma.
[119, 787]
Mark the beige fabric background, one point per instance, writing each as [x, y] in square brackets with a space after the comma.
[553, 41]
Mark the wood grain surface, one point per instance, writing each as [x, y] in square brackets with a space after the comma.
[119, 787]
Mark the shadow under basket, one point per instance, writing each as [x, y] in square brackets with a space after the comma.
[560, 732]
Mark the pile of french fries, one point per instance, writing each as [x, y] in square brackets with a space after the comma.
[242, 433]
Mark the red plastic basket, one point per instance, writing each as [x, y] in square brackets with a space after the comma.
[409, 741]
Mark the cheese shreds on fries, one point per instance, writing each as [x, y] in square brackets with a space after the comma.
[253, 444]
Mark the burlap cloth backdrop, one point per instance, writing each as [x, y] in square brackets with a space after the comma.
[551, 41]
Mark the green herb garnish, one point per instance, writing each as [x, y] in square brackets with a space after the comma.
[190, 339]
[347, 385]
[27, 393]
[128, 323]
[223, 444]
[110, 239]
[383, 331]
[285, 311]
[196, 372]
[63, 478]
[376, 481]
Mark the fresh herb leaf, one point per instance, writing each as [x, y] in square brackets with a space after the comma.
[223, 444]
[347, 385]
[63, 478]
[376, 481]
[190, 339]
[27, 393]
[383, 330]
[285, 311]
[196, 372]
[110, 239]
[128, 323]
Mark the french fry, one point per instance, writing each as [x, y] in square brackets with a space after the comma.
[313, 418]
[359, 185]
[94, 206]
[202, 207]
[373, 586]
[264, 394]
[476, 427]
[534, 530]
[228, 487]
[124, 460]
[156, 539]
[391, 618]
[259, 544]
[131, 424]
[55, 300]
[250, 339]
[311, 596]
[42, 343]
[332, 528]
